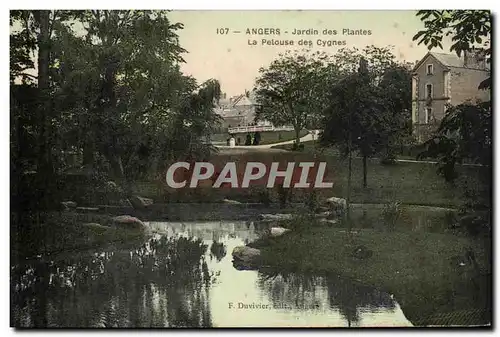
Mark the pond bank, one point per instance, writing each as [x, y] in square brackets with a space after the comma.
[224, 211]
[426, 272]
[64, 230]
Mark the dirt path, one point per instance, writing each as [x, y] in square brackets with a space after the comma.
[305, 138]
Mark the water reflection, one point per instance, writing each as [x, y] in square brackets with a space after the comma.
[184, 277]
[322, 292]
[162, 283]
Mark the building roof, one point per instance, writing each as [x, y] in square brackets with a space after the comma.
[447, 60]
[243, 101]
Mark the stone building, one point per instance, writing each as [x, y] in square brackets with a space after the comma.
[440, 80]
[237, 111]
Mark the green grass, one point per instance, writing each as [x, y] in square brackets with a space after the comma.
[313, 147]
[310, 146]
[417, 267]
[408, 183]
[268, 137]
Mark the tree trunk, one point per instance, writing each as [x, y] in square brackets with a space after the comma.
[117, 167]
[88, 154]
[297, 135]
[349, 175]
[45, 168]
[43, 86]
[364, 171]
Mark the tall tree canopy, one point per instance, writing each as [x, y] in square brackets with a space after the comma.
[110, 87]
[368, 109]
[291, 91]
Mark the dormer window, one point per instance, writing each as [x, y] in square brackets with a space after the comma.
[430, 69]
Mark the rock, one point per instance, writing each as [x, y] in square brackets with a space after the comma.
[95, 226]
[67, 205]
[231, 202]
[241, 266]
[329, 221]
[341, 202]
[125, 203]
[351, 232]
[323, 215]
[127, 222]
[274, 217]
[111, 186]
[361, 252]
[140, 202]
[277, 231]
[87, 209]
[338, 205]
[246, 254]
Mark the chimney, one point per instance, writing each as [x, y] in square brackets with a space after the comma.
[475, 59]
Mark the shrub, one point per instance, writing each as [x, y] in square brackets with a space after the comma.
[312, 201]
[297, 147]
[264, 197]
[391, 213]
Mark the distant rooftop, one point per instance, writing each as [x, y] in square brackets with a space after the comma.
[449, 60]
[453, 60]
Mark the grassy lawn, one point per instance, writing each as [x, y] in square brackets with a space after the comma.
[312, 147]
[408, 183]
[267, 137]
[420, 269]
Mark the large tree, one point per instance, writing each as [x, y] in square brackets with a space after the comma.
[395, 89]
[292, 90]
[368, 108]
[356, 119]
[115, 87]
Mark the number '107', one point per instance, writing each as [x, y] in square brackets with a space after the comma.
[222, 31]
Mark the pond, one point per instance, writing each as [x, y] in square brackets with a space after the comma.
[184, 276]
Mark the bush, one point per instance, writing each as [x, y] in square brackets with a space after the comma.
[388, 160]
[284, 195]
[312, 201]
[264, 197]
[391, 213]
[299, 147]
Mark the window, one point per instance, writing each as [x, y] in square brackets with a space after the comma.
[428, 113]
[430, 69]
[428, 91]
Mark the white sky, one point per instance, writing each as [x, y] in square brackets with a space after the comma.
[235, 64]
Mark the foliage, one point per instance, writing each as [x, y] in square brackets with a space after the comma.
[312, 201]
[264, 196]
[391, 213]
[292, 89]
[356, 111]
[369, 110]
[471, 29]
[465, 135]
[378, 59]
[115, 90]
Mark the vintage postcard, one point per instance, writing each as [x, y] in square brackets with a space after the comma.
[213, 169]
